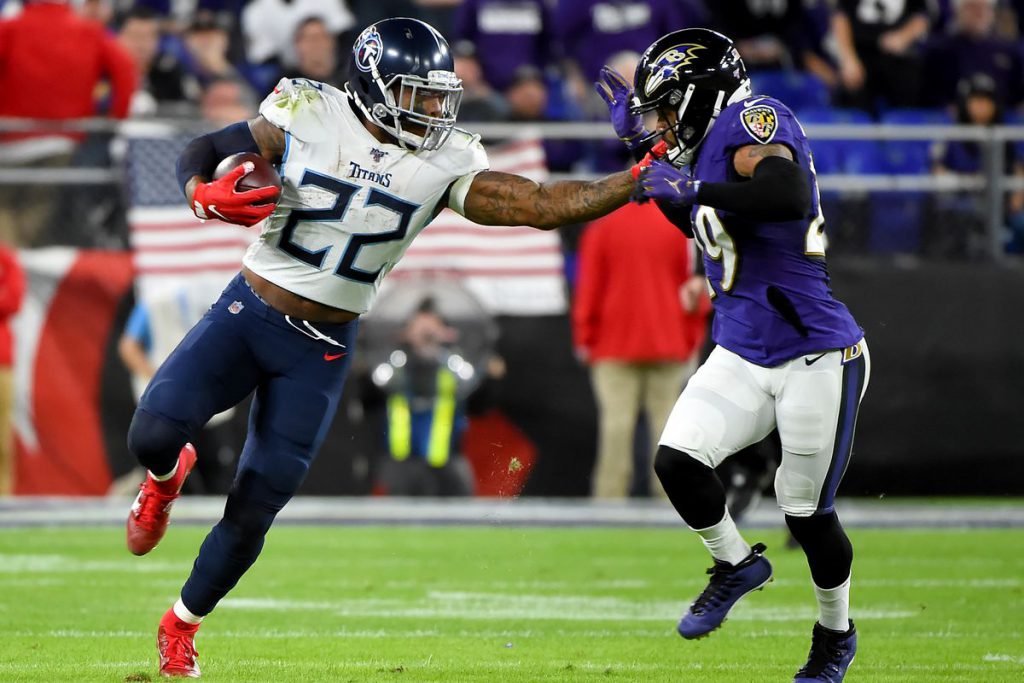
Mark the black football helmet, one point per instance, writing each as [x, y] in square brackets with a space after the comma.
[396, 65]
[695, 72]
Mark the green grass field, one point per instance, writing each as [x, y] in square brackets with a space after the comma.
[338, 603]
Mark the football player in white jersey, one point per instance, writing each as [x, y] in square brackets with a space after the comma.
[364, 170]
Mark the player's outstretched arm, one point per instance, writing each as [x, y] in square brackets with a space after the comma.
[505, 199]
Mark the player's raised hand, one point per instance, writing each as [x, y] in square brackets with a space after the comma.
[617, 93]
[663, 181]
[221, 199]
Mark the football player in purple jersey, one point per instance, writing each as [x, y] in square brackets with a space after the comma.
[739, 178]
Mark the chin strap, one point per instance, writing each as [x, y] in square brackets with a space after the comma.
[681, 157]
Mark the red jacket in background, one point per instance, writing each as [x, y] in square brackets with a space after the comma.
[632, 264]
[12, 291]
[51, 61]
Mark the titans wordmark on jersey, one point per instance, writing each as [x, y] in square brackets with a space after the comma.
[351, 204]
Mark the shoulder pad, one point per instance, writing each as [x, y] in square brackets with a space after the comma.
[761, 119]
[462, 153]
[297, 105]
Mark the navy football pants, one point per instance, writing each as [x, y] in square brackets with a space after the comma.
[241, 345]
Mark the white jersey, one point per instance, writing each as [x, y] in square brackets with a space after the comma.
[351, 205]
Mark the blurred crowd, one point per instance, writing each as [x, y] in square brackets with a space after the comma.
[519, 59]
[832, 61]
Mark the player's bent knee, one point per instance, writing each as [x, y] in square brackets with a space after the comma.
[673, 465]
[155, 441]
[796, 493]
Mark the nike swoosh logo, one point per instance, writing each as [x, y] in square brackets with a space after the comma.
[213, 210]
[814, 360]
[330, 356]
[751, 103]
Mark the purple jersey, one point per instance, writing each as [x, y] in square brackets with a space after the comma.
[768, 279]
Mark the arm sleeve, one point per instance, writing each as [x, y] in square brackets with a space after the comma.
[467, 158]
[459, 190]
[201, 156]
[780, 190]
[678, 216]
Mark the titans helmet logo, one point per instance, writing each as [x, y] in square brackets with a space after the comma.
[666, 66]
[368, 50]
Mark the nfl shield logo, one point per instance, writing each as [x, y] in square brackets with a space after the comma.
[235, 307]
[761, 122]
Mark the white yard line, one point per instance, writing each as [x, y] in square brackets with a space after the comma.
[856, 512]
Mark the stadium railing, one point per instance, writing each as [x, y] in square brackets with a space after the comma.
[992, 185]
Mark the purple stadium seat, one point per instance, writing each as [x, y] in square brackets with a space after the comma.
[896, 217]
[842, 156]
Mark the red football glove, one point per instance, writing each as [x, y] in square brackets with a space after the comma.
[657, 152]
[220, 199]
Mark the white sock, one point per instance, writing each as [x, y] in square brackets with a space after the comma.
[724, 542]
[834, 606]
[165, 477]
[182, 613]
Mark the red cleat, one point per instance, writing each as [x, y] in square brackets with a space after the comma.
[151, 511]
[175, 640]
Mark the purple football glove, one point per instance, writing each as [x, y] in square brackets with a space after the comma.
[665, 182]
[617, 93]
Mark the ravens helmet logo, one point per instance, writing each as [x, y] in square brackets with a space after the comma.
[666, 66]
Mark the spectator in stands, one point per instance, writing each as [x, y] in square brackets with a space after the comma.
[206, 40]
[269, 27]
[51, 64]
[316, 54]
[528, 100]
[227, 100]
[163, 79]
[438, 13]
[767, 35]
[479, 101]
[962, 230]
[101, 11]
[504, 35]
[590, 30]
[816, 27]
[12, 291]
[638, 324]
[972, 48]
[426, 409]
[877, 48]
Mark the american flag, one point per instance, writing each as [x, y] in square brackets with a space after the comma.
[512, 270]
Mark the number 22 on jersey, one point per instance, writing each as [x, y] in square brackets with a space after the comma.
[343, 193]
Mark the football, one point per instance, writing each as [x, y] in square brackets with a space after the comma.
[263, 173]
